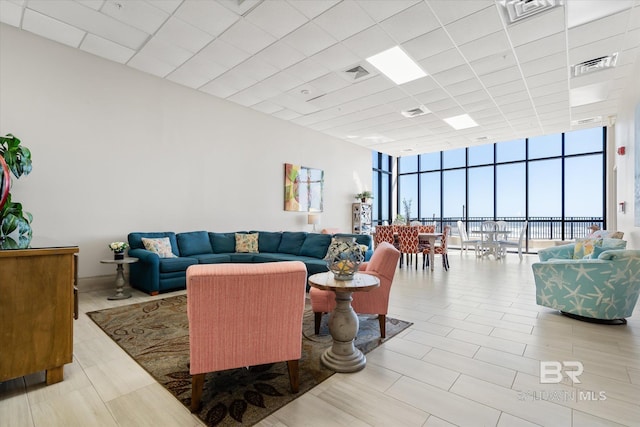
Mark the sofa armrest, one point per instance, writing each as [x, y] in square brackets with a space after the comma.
[145, 274]
[557, 252]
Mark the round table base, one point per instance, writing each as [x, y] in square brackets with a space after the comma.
[120, 285]
[343, 356]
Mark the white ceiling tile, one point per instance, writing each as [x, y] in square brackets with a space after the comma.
[344, 20]
[106, 49]
[283, 81]
[223, 53]
[294, 104]
[278, 18]
[466, 86]
[313, 8]
[166, 52]
[286, 114]
[554, 76]
[421, 85]
[477, 96]
[454, 75]
[493, 63]
[10, 13]
[551, 99]
[138, 14]
[442, 105]
[631, 40]
[247, 37]
[239, 7]
[180, 33]
[92, 21]
[369, 42]
[219, 89]
[209, 16]
[244, 98]
[235, 81]
[150, 64]
[476, 25]
[511, 97]
[329, 83]
[255, 69]
[543, 47]
[336, 57]
[491, 44]
[452, 10]
[537, 26]
[382, 9]
[502, 76]
[266, 107]
[263, 91]
[200, 66]
[547, 63]
[307, 70]
[168, 6]
[94, 4]
[188, 76]
[442, 61]
[280, 55]
[430, 44]
[410, 23]
[598, 30]
[51, 28]
[309, 39]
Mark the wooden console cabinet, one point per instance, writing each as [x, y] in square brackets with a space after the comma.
[37, 303]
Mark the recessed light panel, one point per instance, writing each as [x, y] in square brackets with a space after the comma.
[462, 121]
[396, 64]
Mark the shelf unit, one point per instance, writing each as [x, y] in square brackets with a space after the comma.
[361, 218]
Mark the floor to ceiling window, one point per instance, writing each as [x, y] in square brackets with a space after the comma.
[556, 182]
[381, 187]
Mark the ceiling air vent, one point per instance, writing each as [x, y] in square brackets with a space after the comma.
[590, 120]
[415, 112]
[522, 9]
[356, 72]
[593, 65]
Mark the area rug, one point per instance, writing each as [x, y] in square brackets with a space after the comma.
[156, 335]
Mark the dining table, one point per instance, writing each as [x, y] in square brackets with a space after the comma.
[490, 241]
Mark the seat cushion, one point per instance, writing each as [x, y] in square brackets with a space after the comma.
[268, 241]
[194, 243]
[176, 264]
[212, 258]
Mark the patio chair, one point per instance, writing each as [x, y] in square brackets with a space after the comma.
[465, 242]
[504, 244]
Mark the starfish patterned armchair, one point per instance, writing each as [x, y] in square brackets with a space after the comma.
[602, 286]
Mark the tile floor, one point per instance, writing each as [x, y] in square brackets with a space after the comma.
[472, 357]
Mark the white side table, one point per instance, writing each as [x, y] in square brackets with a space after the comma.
[121, 282]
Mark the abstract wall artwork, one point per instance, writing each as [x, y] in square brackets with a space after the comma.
[302, 188]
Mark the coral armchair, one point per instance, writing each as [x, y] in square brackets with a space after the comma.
[603, 289]
[244, 315]
[383, 266]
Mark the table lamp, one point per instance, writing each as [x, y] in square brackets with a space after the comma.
[313, 219]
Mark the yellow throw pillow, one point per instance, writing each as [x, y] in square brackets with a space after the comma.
[247, 243]
[585, 247]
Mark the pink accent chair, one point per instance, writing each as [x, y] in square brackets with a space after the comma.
[244, 315]
[382, 265]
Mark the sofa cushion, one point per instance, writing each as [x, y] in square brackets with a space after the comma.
[212, 258]
[176, 264]
[247, 242]
[584, 247]
[135, 239]
[223, 243]
[194, 243]
[608, 244]
[242, 257]
[291, 242]
[315, 245]
[160, 245]
[268, 241]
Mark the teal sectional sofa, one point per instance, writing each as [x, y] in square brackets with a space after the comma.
[154, 274]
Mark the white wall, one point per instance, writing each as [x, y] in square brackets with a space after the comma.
[116, 150]
[625, 165]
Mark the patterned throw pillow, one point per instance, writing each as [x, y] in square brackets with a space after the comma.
[247, 242]
[161, 246]
[584, 247]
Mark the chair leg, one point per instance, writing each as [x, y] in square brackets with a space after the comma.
[294, 375]
[317, 318]
[382, 321]
[197, 383]
[445, 262]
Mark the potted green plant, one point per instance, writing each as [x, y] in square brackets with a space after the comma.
[16, 161]
[364, 196]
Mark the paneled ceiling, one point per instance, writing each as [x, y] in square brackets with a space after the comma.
[289, 59]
